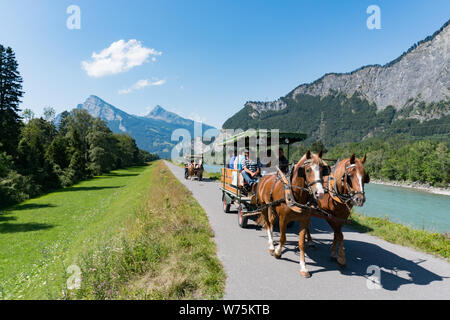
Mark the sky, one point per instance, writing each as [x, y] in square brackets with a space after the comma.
[202, 59]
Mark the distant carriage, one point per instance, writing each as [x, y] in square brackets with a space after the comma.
[194, 167]
[234, 188]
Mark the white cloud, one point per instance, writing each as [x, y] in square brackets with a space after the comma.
[119, 57]
[142, 84]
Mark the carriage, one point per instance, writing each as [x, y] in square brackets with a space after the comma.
[234, 188]
[194, 167]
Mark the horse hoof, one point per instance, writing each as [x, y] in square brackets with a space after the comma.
[305, 274]
[277, 256]
[342, 265]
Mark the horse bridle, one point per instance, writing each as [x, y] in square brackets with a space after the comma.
[351, 192]
[301, 173]
[345, 197]
[325, 172]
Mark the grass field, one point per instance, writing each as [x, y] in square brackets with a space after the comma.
[93, 224]
[434, 243]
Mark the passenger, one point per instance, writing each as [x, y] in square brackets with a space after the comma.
[251, 169]
[232, 158]
[284, 163]
[238, 161]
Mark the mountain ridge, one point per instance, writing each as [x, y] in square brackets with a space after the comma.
[371, 80]
[407, 91]
[152, 132]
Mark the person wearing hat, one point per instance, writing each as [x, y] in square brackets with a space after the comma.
[251, 169]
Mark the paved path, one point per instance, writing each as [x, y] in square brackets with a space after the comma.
[253, 274]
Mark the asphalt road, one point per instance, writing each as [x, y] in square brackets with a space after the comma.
[252, 273]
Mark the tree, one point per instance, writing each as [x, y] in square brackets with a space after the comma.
[35, 139]
[63, 123]
[318, 146]
[10, 94]
[128, 151]
[103, 148]
[49, 114]
[28, 115]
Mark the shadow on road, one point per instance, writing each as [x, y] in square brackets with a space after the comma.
[395, 270]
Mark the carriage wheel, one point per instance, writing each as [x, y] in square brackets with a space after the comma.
[226, 206]
[241, 219]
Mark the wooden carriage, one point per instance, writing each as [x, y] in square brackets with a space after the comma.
[233, 186]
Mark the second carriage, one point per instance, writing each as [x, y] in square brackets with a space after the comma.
[193, 168]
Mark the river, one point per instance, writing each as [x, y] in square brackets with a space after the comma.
[411, 207]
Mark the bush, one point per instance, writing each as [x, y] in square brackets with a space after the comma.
[16, 188]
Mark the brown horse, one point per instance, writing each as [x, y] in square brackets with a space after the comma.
[195, 170]
[345, 189]
[306, 177]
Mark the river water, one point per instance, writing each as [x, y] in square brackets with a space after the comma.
[414, 208]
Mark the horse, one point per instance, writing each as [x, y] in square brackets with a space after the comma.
[195, 170]
[345, 188]
[306, 178]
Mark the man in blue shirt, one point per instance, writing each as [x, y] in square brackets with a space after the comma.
[251, 169]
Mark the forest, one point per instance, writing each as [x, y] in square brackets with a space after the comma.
[396, 158]
[38, 155]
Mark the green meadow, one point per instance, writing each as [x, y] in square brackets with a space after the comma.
[41, 237]
[135, 233]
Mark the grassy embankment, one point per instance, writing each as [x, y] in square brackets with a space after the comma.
[434, 243]
[134, 233]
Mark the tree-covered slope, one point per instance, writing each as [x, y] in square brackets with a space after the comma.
[409, 96]
[338, 118]
[152, 132]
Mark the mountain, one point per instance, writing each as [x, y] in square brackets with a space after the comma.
[159, 113]
[152, 132]
[409, 95]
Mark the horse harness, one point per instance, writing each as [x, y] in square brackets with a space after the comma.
[289, 198]
[343, 198]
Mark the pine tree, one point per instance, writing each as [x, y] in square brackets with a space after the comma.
[10, 94]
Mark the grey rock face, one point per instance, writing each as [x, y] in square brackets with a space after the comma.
[259, 107]
[159, 113]
[422, 74]
[100, 109]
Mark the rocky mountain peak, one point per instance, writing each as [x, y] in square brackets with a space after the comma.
[420, 75]
[101, 109]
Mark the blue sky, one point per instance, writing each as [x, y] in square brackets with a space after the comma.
[210, 56]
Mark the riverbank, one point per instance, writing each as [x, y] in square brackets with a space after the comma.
[429, 242]
[413, 185]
